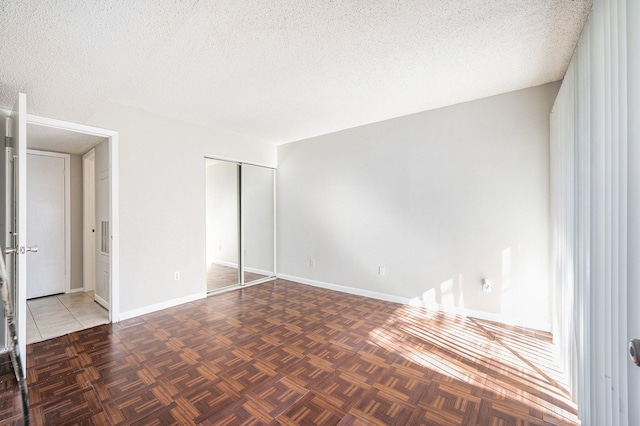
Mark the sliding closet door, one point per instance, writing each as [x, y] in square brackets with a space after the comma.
[258, 222]
[222, 208]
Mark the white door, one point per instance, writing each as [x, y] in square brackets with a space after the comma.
[15, 211]
[46, 222]
[103, 278]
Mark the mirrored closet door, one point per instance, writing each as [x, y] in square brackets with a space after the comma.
[240, 224]
[258, 218]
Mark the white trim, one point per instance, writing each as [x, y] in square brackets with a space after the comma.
[67, 125]
[345, 289]
[67, 211]
[77, 290]
[275, 222]
[112, 135]
[88, 221]
[115, 228]
[240, 286]
[20, 134]
[160, 306]
[246, 269]
[260, 272]
[233, 160]
[416, 302]
[224, 263]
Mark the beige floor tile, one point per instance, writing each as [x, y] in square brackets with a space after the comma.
[92, 320]
[46, 304]
[54, 317]
[93, 308]
[90, 315]
[50, 331]
[61, 314]
[75, 299]
[33, 334]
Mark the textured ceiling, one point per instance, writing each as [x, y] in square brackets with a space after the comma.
[279, 70]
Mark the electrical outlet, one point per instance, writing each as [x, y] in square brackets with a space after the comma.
[312, 263]
[176, 276]
[486, 285]
[381, 270]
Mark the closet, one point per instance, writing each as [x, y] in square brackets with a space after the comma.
[240, 224]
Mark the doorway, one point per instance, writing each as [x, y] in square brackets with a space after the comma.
[54, 309]
[13, 196]
[240, 224]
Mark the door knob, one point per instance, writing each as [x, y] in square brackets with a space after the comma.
[20, 250]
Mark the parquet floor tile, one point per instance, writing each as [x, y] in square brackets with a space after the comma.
[379, 409]
[277, 394]
[306, 372]
[283, 353]
[364, 368]
[281, 357]
[202, 402]
[341, 390]
[243, 412]
[311, 410]
[135, 407]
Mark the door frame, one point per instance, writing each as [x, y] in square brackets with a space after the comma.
[89, 221]
[114, 260]
[67, 211]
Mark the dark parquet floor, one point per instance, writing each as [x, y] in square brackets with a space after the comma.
[290, 354]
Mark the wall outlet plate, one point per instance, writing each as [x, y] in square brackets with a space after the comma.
[176, 276]
[486, 285]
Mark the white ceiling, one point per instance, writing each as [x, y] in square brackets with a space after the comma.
[279, 70]
[58, 140]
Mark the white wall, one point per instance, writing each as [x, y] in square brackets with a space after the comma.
[441, 199]
[162, 201]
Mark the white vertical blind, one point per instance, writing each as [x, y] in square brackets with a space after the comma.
[633, 200]
[589, 211]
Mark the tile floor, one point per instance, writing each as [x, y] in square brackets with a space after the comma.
[55, 316]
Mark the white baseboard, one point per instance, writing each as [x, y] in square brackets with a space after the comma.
[224, 263]
[345, 289]
[259, 271]
[159, 306]
[77, 290]
[487, 316]
[246, 268]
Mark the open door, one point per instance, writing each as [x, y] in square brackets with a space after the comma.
[15, 208]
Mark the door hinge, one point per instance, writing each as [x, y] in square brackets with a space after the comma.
[9, 142]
